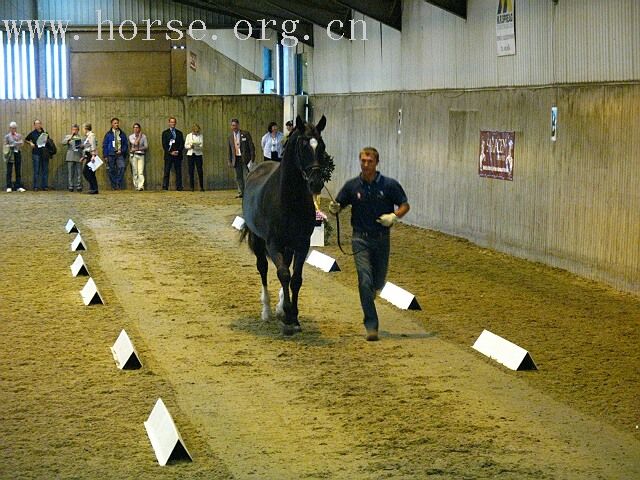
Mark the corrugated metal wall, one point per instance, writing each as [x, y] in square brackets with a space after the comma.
[574, 203]
[16, 10]
[573, 41]
[213, 113]
[214, 72]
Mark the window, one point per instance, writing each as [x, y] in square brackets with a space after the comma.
[18, 75]
[56, 55]
[17, 66]
[266, 63]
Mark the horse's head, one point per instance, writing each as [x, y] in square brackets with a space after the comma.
[308, 148]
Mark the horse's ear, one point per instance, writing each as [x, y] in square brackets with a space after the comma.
[321, 124]
[299, 123]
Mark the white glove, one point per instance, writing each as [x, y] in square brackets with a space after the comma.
[334, 207]
[387, 220]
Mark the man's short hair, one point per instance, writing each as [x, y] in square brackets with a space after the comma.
[289, 123]
[370, 151]
[115, 118]
[235, 120]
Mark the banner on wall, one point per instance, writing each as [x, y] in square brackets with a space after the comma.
[505, 27]
[497, 152]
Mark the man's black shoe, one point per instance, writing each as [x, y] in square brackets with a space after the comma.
[372, 336]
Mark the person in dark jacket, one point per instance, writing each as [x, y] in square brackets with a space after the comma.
[39, 155]
[242, 153]
[173, 145]
[114, 150]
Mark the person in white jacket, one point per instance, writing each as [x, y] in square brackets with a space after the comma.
[138, 146]
[272, 144]
[193, 144]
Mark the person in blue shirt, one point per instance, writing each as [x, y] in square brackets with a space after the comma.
[376, 204]
[114, 149]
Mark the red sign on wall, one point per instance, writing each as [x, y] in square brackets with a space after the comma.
[497, 152]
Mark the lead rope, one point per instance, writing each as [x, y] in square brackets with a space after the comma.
[338, 228]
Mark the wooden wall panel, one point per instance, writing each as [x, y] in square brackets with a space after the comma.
[128, 74]
[213, 113]
[574, 203]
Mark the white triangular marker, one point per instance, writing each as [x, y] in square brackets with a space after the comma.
[124, 353]
[70, 227]
[322, 261]
[238, 223]
[77, 244]
[78, 267]
[503, 351]
[163, 434]
[317, 237]
[90, 294]
[399, 297]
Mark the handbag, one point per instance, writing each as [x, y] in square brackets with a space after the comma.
[7, 153]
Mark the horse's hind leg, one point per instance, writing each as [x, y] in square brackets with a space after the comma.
[263, 266]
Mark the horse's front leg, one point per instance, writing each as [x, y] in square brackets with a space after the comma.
[288, 257]
[296, 282]
[282, 268]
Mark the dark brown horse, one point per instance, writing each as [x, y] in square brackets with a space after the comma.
[280, 215]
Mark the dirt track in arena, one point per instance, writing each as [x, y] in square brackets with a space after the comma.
[323, 404]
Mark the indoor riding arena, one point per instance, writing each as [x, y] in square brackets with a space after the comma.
[138, 339]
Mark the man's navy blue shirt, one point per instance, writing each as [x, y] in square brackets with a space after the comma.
[370, 200]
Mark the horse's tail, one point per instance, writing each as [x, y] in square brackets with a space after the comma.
[244, 232]
[256, 244]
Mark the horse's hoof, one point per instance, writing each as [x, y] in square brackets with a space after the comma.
[297, 328]
[266, 316]
[288, 330]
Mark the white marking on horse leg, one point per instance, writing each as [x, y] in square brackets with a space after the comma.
[280, 306]
[266, 304]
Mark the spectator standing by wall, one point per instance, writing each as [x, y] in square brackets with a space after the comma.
[13, 157]
[115, 147]
[90, 148]
[173, 145]
[138, 146]
[193, 144]
[73, 158]
[273, 143]
[37, 138]
[242, 152]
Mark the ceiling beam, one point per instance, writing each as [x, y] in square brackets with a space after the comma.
[388, 12]
[254, 13]
[457, 7]
[321, 13]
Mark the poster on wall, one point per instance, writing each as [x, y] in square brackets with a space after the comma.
[193, 61]
[497, 152]
[554, 123]
[505, 28]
